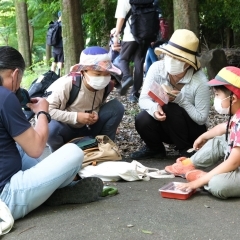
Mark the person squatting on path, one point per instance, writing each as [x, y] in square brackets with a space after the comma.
[25, 181]
[89, 114]
[223, 181]
[184, 117]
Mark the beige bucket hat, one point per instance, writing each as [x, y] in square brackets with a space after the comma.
[182, 45]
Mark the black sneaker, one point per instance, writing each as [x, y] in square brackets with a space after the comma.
[145, 153]
[84, 191]
[125, 86]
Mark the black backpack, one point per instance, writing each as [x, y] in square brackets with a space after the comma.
[144, 21]
[39, 87]
[54, 33]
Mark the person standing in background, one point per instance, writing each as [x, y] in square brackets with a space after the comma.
[57, 51]
[130, 50]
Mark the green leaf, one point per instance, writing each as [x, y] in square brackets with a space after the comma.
[146, 231]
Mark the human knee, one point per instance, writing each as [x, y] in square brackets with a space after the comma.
[117, 107]
[75, 154]
[218, 187]
[142, 120]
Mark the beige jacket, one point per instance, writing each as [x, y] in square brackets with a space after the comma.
[85, 101]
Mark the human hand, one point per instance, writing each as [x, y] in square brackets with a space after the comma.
[86, 118]
[159, 114]
[199, 142]
[187, 186]
[172, 95]
[38, 104]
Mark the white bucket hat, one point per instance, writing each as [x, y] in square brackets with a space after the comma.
[182, 45]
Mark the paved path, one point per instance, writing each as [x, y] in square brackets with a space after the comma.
[136, 213]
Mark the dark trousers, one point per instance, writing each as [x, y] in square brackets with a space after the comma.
[132, 51]
[178, 129]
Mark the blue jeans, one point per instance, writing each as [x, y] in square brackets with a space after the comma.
[150, 58]
[110, 116]
[28, 189]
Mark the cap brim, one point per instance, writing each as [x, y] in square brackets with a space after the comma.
[81, 67]
[215, 82]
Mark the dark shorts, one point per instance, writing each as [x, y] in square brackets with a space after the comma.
[57, 54]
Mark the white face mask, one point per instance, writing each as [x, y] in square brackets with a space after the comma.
[98, 82]
[173, 66]
[218, 106]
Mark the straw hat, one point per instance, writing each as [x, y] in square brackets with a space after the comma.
[182, 45]
[230, 78]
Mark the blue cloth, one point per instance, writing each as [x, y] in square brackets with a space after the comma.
[110, 116]
[151, 57]
[30, 188]
[12, 123]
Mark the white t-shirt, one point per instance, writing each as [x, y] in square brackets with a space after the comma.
[123, 7]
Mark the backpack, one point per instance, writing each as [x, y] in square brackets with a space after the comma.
[39, 87]
[53, 33]
[144, 20]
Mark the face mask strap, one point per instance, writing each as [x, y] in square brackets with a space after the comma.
[230, 115]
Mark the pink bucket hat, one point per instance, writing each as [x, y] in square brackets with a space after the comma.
[95, 58]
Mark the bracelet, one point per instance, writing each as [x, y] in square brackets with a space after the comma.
[116, 35]
[46, 114]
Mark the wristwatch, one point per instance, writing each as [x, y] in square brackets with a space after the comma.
[46, 114]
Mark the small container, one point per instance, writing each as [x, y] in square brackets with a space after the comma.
[170, 191]
[157, 93]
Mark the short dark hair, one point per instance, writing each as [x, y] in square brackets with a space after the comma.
[10, 58]
[223, 89]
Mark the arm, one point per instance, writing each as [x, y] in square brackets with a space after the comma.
[196, 100]
[218, 130]
[61, 89]
[231, 164]
[145, 101]
[33, 140]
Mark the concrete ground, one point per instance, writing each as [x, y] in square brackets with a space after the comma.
[138, 212]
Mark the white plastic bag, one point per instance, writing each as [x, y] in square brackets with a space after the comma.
[6, 217]
[115, 170]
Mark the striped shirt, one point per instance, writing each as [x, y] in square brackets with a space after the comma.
[194, 96]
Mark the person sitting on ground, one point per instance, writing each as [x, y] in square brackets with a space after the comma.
[25, 181]
[222, 181]
[89, 114]
[184, 118]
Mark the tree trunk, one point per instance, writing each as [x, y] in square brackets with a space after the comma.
[72, 32]
[48, 55]
[23, 31]
[186, 15]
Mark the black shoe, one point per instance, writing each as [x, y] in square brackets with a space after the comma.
[145, 153]
[126, 85]
[84, 191]
[133, 98]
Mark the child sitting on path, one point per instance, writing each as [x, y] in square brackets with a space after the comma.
[223, 181]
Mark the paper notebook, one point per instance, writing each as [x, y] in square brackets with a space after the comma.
[157, 93]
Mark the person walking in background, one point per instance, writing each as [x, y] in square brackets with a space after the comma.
[57, 50]
[130, 50]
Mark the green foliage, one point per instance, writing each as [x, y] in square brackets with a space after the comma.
[98, 20]
[7, 24]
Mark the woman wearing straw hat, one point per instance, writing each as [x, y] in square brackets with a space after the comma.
[184, 117]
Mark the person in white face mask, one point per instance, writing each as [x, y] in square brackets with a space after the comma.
[89, 114]
[184, 117]
[223, 181]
